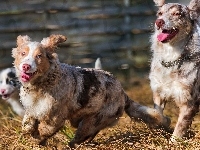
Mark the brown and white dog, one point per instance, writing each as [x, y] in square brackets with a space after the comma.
[175, 66]
[9, 90]
[52, 92]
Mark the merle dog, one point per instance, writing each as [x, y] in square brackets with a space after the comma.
[52, 92]
[175, 73]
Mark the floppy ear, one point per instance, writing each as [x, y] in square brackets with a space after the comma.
[52, 42]
[14, 52]
[22, 40]
[194, 7]
[12, 70]
[159, 3]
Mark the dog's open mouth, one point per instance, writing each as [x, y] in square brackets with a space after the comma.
[25, 77]
[6, 96]
[167, 35]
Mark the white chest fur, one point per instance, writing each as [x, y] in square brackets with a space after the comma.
[170, 84]
[35, 105]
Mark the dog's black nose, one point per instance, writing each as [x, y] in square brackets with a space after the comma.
[160, 23]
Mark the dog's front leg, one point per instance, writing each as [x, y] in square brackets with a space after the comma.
[28, 124]
[187, 112]
[48, 128]
[159, 104]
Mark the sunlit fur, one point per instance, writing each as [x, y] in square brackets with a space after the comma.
[9, 90]
[52, 92]
[179, 82]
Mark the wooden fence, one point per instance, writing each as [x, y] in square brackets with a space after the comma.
[117, 31]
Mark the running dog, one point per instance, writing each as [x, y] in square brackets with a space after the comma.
[52, 92]
[9, 90]
[175, 66]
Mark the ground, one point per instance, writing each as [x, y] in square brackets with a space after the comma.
[126, 135]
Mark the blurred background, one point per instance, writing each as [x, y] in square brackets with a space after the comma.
[117, 31]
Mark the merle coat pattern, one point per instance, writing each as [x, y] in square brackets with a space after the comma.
[52, 92]
[175, 73]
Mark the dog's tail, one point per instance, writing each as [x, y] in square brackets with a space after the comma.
[148, 115]
[98, 64]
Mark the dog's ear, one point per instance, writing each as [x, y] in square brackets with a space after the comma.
[52, 42]
[13, 70]
[194, 7]
[22, 40]
[14, 52]
[159, 3]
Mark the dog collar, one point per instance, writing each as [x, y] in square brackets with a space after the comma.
[184, 57]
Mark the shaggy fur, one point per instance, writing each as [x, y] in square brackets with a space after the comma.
[9, 90]
[175, 62]
[53, 92]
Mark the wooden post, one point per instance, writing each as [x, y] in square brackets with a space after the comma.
[46, 18]
[127, 21]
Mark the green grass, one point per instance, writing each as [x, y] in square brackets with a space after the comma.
[126, 135]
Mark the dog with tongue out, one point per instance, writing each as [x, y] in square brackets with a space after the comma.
[170, 24]
[175, 62]
[166, 35]
[26, 75]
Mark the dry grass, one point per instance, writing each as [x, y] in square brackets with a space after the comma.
[126, 135]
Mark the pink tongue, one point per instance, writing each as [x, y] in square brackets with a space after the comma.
[162, 37]
[25, 77]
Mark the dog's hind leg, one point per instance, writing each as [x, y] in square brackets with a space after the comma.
[89, 127]
[186, 115]
[85, 131]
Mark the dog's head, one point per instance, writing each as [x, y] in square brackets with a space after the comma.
[33, 59]
[175, 21]
[8, 83]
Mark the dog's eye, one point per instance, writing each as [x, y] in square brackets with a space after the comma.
[23, 53]
[38, 56]
[12, 82]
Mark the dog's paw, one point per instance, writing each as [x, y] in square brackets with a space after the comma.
[27, 129]
[73, 144]
[37, 141]
[175, 140]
